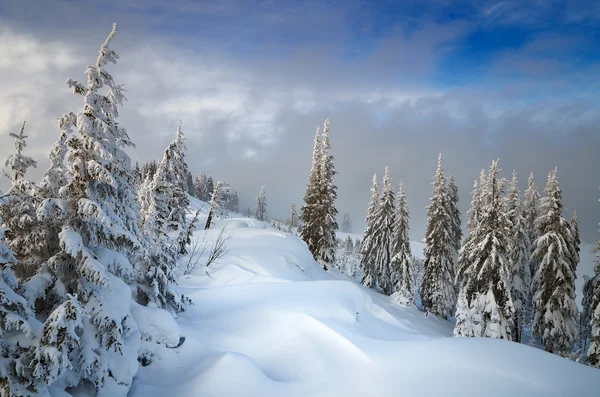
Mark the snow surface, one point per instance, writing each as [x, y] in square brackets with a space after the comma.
[268, 321]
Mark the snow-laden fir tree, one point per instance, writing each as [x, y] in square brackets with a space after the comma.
[593, 352]
[216, 204]
[454, 212]
[174, 164]
[401, 266]
[310, 231]
[518, 255]
[575, 246]
[531, 205]
[98, 237]
[326, 203]
[437, 289]
[484, 276]
[367, 246]
[18, 329]
[383, 233]
[585, 318]
[464, 323]
[162, 250]
[554, 280]
[293, 221]
[24, 235]
[347, 223]
[261, 206]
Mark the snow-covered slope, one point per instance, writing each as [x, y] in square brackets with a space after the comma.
[267, 321]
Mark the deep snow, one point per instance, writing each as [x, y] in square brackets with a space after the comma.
[268, 321]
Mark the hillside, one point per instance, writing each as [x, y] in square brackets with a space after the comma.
[267, 321]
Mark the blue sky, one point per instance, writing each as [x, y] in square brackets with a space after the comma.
[400, 81]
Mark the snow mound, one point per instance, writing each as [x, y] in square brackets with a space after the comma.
[156, 325]
[268, 321]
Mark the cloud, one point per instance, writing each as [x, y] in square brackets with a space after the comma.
[250, 110]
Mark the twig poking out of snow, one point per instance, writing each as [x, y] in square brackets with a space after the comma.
[219, 249]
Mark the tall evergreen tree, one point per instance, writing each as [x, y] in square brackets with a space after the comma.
[293, 218]
[519, 247]
[174, 165]
[585, 319]
[16, 320]
[310, 232]
[531, 212]
[347, 223]
[99, 234]
[24, 236]
[454, 212]
[161, 249]
[484, 275]
[383, 231]
[402, 271]
[326, 202]
[367, 247]
[554, 280]
[216, 204]
[437, 289]
[594, 347]
[261, 206]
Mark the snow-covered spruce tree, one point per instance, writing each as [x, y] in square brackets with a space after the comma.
[437, 290]
[403, 289]
[326, 203]
[484, 275]
[162, 250]
[367, 247]
[293, 221]
[173, 163]
[464, 323]
[593, 352]
[518, 256]
[383, 232]
[310, 231]
[346, 224]
[585, 318]
[216, 204]
[531, 205]
[261, 206]
[454, 212]
[554, 279]
[18, 210]
[98, 236]
[575, 240]
[17, 329]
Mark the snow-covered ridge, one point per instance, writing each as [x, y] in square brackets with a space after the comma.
[268, 321]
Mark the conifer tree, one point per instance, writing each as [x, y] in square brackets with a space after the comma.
[16, 319]
[454, 212]
[174, 165]
[261, 206]
[518, 255]
[531, 205]
[24, 236]
[347, 224]
[99, 233]
[293, 218]
[593, 352]
[554, 279]
[215, 204]
[437, 289]
[383, 230]
[585, 319]
[310, 231]
[161, 249]
[464, 323]
[327, 211]
[402, 272]
[484, 275]
[367, 247]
